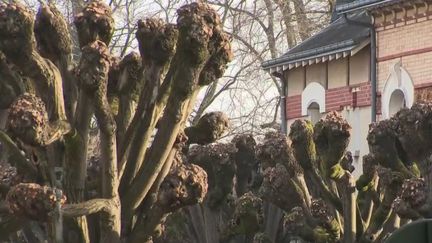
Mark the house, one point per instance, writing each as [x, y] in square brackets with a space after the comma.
[372, 60]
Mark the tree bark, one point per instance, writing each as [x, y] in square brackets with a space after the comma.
[151, 34]
[111, 223]
[303, 23]
[285, 7]
[87, 208]
[76, 165]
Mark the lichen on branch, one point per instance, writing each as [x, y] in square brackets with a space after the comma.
[28, 120]
[52, 34]
[281, 189]
[217, 161]
[209, 128]
[33, 201]
[95, 22]
[185, 185]
[331, 137]
[16, 25]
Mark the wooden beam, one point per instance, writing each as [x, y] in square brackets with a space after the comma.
[290, 66]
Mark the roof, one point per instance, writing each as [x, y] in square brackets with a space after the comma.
[365, 4]
[335, 14]
[341, 36]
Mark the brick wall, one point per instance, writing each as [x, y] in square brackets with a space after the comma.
[411, 45]
[363, 95]
[293, 107]
[336, 99]
[423, 92]
[404, 39]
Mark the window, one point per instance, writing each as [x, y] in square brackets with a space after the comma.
[313, 113]
[397, 102]
[313, 97]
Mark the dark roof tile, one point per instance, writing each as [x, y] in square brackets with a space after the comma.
[365, 4]
[338, 31]
[340, 34]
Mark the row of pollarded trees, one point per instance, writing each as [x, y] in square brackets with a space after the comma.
[147, 169]
[308, 176]
[140, 104]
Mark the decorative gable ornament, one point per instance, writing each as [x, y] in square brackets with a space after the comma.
[398, 80]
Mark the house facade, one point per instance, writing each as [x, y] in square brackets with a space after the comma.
[372, 60]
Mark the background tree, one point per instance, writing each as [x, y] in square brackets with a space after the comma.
[260, 30]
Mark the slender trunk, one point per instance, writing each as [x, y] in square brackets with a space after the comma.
[212, 221]
[208, 98]
[153, 219]
[110, 221]
[3, 118]
[76, 168]
[153, 91]
[287, 19]
[270, 29]
[125, 114]
[392, 224]
[70, 88]
[347, 189]
[196, 216]
[273, 218]
[174, 116]
[148, 115]
[149, 201]
[148, 97]
[372, 202]
[326, 192]
[303, 24]
[380, 217]
[188, 62]
[302, 183]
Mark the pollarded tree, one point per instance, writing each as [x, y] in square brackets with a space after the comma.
[308, 176]
[140, 103]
